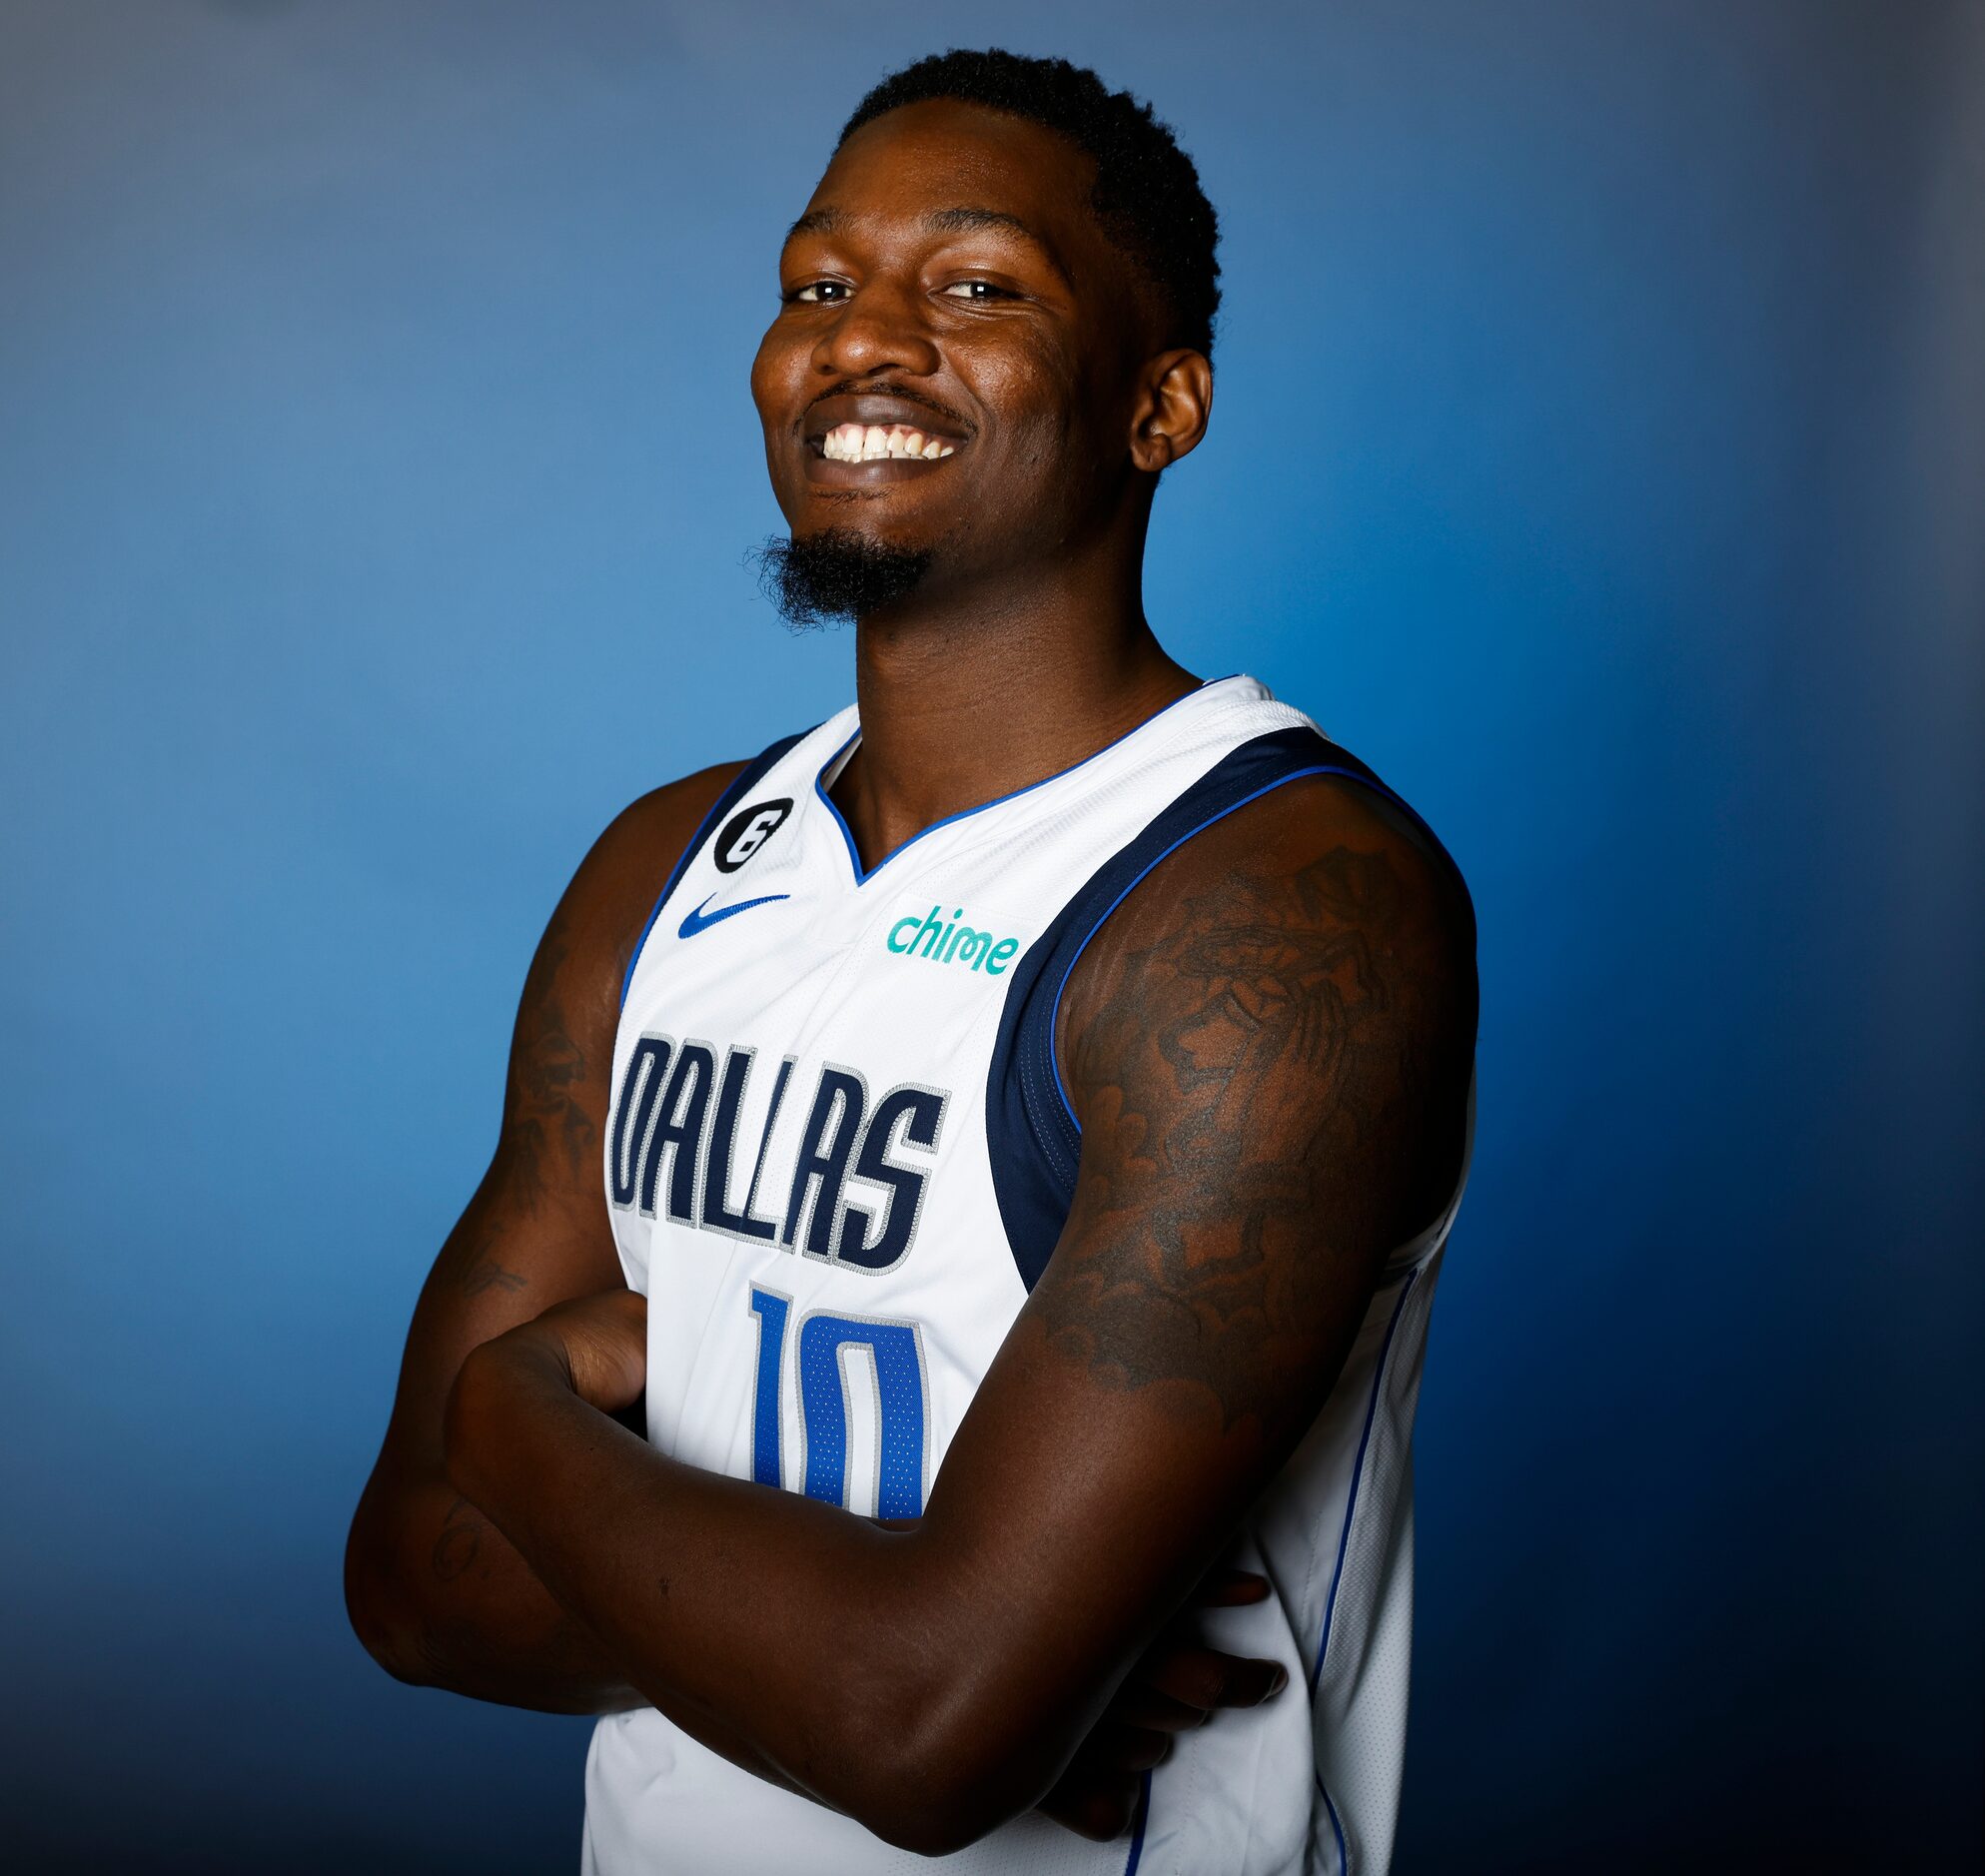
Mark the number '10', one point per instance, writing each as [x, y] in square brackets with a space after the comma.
[901, 1403]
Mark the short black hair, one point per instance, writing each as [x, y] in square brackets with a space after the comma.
[1146, 195]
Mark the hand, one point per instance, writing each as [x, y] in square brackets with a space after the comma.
[599, 1345]
[1178, 1685]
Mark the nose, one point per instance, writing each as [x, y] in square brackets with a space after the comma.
[882, 329]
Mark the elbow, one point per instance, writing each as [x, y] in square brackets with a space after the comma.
[395, 1644]
[931, 1820]
[937, 1835]
[923, 1825]
[376, 1605]
[933, 1782]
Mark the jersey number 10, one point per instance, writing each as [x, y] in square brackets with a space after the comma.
[894, 1354]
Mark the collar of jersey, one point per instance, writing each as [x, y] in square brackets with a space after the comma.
[838, 760]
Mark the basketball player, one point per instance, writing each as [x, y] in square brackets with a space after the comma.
[996, 1145]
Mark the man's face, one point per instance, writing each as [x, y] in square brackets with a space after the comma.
[948, 296]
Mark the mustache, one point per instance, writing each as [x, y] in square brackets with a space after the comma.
[853, 387]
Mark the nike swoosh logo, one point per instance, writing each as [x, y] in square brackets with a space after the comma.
[699, 920]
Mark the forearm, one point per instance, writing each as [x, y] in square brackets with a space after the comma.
[441, 1599]
[795, 1638]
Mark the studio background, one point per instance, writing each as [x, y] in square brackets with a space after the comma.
[1598, 452]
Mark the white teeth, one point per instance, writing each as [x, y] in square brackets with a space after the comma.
[856, 442]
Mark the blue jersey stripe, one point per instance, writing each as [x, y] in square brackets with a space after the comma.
[1143, 1819]
[1358, 1473]
[1343, 1543]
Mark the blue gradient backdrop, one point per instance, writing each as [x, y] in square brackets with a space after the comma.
[1599, 453]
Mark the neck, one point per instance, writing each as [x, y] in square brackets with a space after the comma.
[967, 696]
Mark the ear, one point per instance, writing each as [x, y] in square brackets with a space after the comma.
[1174, 401]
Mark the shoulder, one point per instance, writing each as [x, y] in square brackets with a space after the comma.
[634, 853]
[604, 915]
[1296, 988]
[583, 958]
[1269, 1050]
[1311, 877]
[1336, 828]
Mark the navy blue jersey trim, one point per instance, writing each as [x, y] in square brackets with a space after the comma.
[1337, 1829]
[1344, 1542]
[746, 779]
[1358, 1473]
[1032, 1134]
[854, 858]
[1143, 1819]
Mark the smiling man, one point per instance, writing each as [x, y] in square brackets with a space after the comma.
[996, 1146]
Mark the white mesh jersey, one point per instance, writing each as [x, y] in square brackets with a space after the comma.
[838, 1158]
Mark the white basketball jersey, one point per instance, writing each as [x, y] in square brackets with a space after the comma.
[839, 1159]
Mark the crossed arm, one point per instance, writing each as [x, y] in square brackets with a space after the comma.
[1269, 1051]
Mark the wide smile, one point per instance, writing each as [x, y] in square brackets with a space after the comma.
[870, 443]
[863, 442]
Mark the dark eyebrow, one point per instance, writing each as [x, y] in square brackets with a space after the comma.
[964, 221]
[816, 222]
[958, 221]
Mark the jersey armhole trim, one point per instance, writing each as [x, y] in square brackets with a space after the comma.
[1343, 1543]
[1358, 1473]
[1212, 820]
[1033, 1137]
[739, 785]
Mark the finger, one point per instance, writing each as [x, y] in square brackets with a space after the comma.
[1231, 1589]
[1093, 1805]
[1118, 1748]
[1143, 1706]
[1204, 1678]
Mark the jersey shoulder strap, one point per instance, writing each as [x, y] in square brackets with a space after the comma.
[1032, 1136]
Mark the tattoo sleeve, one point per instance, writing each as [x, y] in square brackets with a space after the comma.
[1269, 1082]
[551, 1131]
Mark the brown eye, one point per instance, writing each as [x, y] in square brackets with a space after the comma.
[819, 292]
[975, 292]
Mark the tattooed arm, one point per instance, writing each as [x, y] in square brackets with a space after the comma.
[1272, 1078]
[439, 1594]
[435, 1594]
[1269, 1048]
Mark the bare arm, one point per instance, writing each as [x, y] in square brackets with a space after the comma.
[1270, 1053]
[441, 1598]
[435, 1594]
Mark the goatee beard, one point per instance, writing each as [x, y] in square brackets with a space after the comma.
[836, 575]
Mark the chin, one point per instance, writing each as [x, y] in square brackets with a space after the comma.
[838, 571]
[875, 532]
